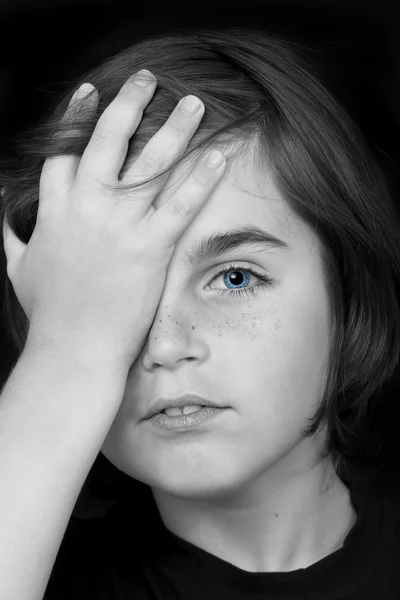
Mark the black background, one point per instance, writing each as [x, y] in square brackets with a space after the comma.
[46, 45]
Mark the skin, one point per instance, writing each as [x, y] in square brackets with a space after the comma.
[246, 486]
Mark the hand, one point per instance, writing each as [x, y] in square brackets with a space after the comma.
[95, 266]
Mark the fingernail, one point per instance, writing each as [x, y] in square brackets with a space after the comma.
[144, 78]
[82, 91]
[190, 104]
[214, 159]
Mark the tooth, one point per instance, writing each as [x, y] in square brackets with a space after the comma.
[186, 410]
[190, 408]
[173, 412]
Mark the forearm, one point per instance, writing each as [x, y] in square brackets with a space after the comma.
[55, 413]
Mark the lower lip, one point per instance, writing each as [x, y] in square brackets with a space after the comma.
[186, 421]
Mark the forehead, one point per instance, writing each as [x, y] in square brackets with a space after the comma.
[245, 195]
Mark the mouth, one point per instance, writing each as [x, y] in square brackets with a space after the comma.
[182, 410]
[174, 420]
[183, 405]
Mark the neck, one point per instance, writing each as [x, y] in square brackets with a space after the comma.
[271, 525]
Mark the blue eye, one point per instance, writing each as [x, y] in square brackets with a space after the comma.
[234, 277]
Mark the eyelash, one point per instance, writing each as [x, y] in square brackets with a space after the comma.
[266, 282]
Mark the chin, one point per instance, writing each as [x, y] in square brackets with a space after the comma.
[214, 486]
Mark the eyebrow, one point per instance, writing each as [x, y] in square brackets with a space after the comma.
[219, 243]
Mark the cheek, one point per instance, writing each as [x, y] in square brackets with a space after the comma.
[280, 362]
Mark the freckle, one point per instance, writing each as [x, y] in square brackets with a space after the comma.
[276, 515]
[193, 327]
[176, 322]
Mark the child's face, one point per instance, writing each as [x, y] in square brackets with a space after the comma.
[265, 356]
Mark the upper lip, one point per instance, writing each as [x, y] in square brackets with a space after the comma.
[184, 400]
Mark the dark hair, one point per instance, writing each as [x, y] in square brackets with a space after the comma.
[259, 88]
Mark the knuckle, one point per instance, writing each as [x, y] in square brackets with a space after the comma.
[130, 98]
[149, 162]
[109, 126]
[180, 208]
[178, 121]
[102, 136]
[127, 92]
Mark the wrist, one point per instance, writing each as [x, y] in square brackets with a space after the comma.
[77, 349]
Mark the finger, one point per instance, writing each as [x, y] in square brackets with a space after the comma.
[106, 152]
[173, 217]
[13, 248]
[170, 141]
[59, 172]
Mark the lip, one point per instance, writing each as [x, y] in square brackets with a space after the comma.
[185, 422]
[183, 400]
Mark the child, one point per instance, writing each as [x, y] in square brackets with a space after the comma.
[216, 334]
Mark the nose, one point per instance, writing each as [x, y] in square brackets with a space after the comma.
[171, 342]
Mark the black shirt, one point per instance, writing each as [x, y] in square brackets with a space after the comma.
[123, 557]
